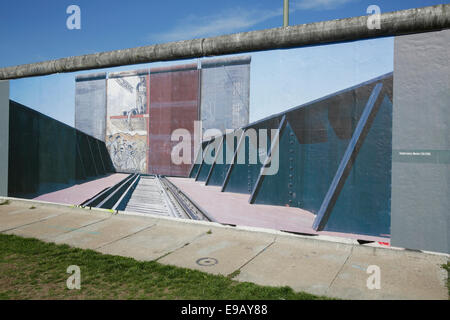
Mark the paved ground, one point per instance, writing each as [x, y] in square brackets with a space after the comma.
[319, 265]
[217, 205]
[79, 193]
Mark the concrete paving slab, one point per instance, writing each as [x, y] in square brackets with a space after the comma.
[403, 275]
[14, 216]
[157, 241]
[12, 209]
[10, 205]
[221, 252]
[50, 229]
[330, 267]
[105, 232]
[303, 264]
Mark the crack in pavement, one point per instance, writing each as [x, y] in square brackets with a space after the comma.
[183, 246]
[124, 237]
[254, 257]
[339, 271]
[30, 223]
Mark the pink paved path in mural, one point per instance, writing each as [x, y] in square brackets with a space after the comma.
[233, 208]
[79, 193]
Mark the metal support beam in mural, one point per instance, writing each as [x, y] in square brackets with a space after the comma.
[334, 159]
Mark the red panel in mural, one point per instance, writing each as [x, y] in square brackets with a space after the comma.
[174, 103]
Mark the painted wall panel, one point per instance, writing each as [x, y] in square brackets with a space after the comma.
[174, 103]
[225, 93]
[90, 104]
[127, 120]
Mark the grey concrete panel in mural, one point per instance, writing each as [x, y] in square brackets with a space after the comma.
[225, 93]
[90, 104]
[421, 142]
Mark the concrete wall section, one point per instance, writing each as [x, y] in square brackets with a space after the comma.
[127, 120]
[174, 104]
[421, 142]
[90, 104]
[4, 136]
[225, 93]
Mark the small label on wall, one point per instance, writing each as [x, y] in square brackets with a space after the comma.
[421, 156]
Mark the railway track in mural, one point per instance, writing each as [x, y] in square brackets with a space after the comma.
[147, 194]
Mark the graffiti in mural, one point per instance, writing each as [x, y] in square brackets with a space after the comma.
[127, 152]
[127, 120]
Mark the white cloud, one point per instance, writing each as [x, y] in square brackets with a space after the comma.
[319, 4]
[230, 21]
[235, 20]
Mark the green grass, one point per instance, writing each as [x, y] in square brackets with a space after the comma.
[447, 267]
[32, 269]
[4, 203]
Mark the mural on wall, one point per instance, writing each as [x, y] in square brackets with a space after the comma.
[174, 100]
[225, 93]
[127, 120]
[90, 104]
[347, 158]
[335, 157]
[126, 151]
[217, 92]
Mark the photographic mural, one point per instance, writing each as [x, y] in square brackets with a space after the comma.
[137, 111]
[333, 150]
[127, 120]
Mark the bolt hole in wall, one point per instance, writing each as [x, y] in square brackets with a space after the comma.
[303, 140]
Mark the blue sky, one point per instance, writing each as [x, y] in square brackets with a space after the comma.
[35, 30]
